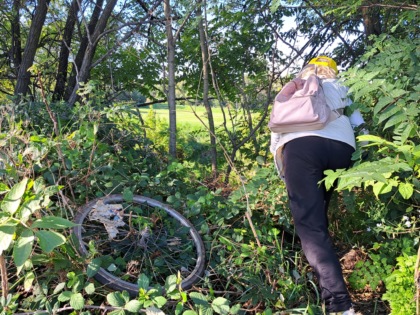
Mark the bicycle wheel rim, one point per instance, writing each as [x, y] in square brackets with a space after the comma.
[114, 282]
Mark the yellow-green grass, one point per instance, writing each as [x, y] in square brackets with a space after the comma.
[186, 114]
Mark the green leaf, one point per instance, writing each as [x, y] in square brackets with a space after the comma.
[29, 279]
[133, 306]
[7, 232]
[23, 248]
[381, 188]
[37, 138]
[383, 101]
[3, 188]
[52, 222]
[126, 296]
[406, 190]
[90, 288]
[388, 113]
[200, 300]
[331, 177]
[170, 283]
[59, 287]
[115, 299]
[143, 282]
[48, 240]
[274, 5]
[189, 312]
[220, 305]
[407, 132]
[65, 296]
[77, 301]
[28, 208]
[11, 201]
[395, 120]
[128, 195]
[235, 309]
[159, 301]
[260, 160]
[397, 92]
[51, 190]
[374, 139]
[93, 267]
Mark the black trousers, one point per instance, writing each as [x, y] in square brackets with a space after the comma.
[305, 160]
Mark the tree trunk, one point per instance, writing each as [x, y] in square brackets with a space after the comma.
[63, 59]
[371, 22]
[85, 68]
[24, 77]
[206, 84]
[16, 51]
[84, 42]
[171, 79]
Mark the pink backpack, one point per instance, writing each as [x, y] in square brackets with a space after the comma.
[305, 110]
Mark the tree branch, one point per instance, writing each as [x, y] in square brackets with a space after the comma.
[403, 6]
[165, 100]
[336, 32]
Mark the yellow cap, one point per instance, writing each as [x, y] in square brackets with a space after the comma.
[324, 61]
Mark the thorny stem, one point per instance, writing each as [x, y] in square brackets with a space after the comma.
[3, 272]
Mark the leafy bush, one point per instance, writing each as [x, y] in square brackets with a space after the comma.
[386, 88]
[400, 287]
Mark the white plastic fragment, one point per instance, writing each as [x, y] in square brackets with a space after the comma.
[110, 215]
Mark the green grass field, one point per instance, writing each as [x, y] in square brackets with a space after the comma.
[186, 114]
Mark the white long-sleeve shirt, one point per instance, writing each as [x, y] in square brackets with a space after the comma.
[340, 129]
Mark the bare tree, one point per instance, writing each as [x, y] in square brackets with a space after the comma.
[63, 59]
[16, 51]
[205, 58]
[171, 78]
[24, 77]
[87, 31]
[84, 71]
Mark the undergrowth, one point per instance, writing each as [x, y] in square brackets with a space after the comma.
[254, 260]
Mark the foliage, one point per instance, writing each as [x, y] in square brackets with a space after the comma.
[401, 289]
[387, 90]
[385, 87]
[389, 87]
[21, 224]
[55, 157]
[107, 149]
[371, 274]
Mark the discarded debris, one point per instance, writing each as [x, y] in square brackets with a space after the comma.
[110, 215]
